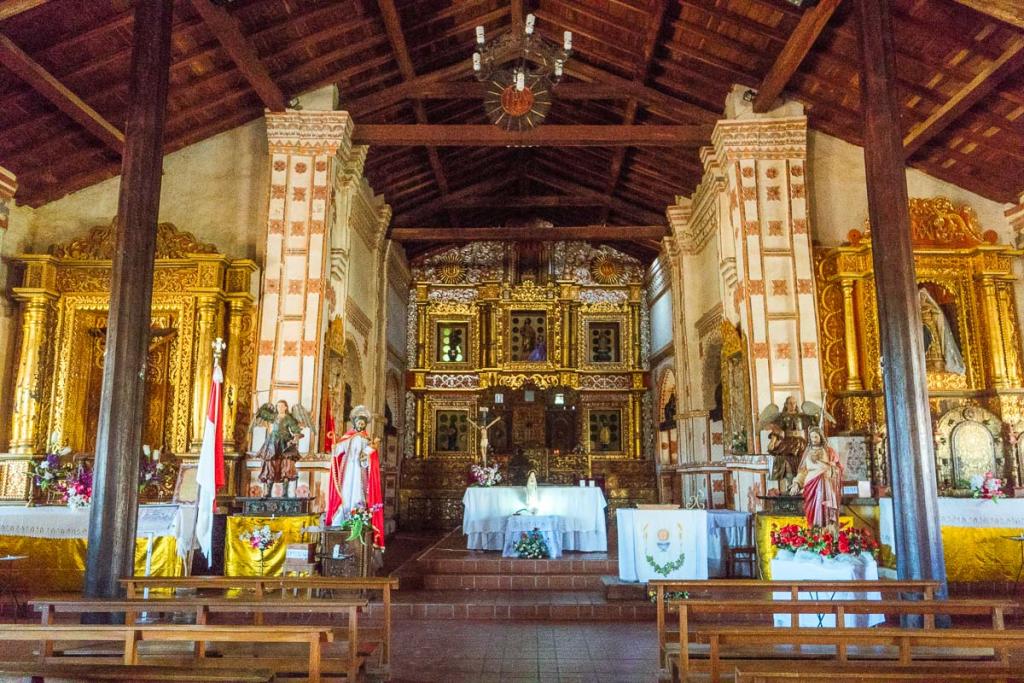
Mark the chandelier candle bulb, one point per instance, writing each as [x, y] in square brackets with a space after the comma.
[476, 61]
[520, 81]
[530, 20]
[480, 35]
[558, 68]
[567, 40]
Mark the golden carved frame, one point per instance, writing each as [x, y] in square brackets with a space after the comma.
[604, 313]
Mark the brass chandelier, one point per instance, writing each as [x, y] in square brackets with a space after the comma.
[520, 69]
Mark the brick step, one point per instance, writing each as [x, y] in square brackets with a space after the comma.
[494, 605]
[513, 582]
[515, 566]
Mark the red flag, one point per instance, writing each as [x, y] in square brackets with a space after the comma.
[210, 474]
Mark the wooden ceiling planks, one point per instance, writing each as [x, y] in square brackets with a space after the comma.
[946, 49]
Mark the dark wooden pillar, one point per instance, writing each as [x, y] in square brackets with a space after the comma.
[122, 401]
[911, 455]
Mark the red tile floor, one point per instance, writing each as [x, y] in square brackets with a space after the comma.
[464, 651]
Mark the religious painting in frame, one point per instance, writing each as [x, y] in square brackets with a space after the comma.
[605, 431]
[452, 433]
[604, 338]
[451, 336]
[186, 488]
[528, 336]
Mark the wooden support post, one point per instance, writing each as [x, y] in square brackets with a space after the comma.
[111, 553]
[911, 455]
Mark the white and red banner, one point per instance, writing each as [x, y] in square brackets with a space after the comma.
[210, 475]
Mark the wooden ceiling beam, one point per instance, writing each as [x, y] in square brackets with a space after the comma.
[428, 209]
[528, 234]
[403, 91]
[12, 8]
[987, 80]
[642, 69]
[483, 135]
[549, 201]
[637, 213]
[228, 33]
[806, 33]
[15, 59]
[1009, 11]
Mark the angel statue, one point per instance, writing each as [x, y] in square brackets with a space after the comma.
[788, 435]
[355, 477]
[280, 450]
[819, 479]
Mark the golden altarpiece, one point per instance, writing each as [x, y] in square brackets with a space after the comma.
[971, 335]
[64, 296]
[551, 340]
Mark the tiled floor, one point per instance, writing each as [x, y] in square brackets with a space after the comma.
[460, 652]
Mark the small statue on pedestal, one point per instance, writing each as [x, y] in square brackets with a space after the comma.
[355, 477]
[280, 450]
[819, 479]
[788, 436]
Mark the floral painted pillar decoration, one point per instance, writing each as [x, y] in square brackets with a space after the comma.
[307, 150]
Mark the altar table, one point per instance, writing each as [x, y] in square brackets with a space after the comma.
[975, 535]
[54, 539]
[806, 566]
[239, 557]
[550, 528]
[580, 507]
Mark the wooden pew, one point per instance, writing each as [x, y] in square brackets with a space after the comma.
[203, 607]
[903, 647]
[736, 588]
[263, 587]
[130, 636]
[131, 672]
[871, 672]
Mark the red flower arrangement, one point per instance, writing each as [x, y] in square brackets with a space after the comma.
[823, 541]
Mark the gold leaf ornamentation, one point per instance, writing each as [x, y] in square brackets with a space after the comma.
[99, 244]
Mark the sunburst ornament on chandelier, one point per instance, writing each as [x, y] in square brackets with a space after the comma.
[520, 70]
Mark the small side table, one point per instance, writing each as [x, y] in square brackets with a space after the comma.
[549, 526]
[7, 580]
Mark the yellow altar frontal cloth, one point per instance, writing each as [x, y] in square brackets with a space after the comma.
[763, 536]
[57, 565]
[240, 559]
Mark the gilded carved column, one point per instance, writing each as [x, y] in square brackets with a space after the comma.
[240, 286]
[36, 326]
[207, 329]
[634, 322]
[853, 380]
[997, 355]
[421, 326]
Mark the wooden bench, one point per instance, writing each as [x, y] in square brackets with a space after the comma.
[264, 587]
[730, 589]
[131, 635]
[872, 672]
[131, 672]
[203, 607]
[726, 644]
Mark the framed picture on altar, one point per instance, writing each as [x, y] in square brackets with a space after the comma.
[186, 489]
[451, 431]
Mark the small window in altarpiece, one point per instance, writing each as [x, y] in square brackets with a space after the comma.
[452, 339]
[606, 431]
[604, 342]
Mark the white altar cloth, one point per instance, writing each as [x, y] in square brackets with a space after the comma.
[64, 523]
[651, 540]
[550, 528]
[580, 507]
[806, 566]
[726, 529]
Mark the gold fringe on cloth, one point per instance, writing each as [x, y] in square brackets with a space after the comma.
[241, 560]
[57, 565]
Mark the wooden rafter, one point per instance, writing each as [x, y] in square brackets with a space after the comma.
[811, 24]
[393, 27]
[650, 43]
[527, 234]
[44, 83]
[637, 213]
[1010, 11]
[429, 209]
[526, 202]
[12, 8]
[482, 135]
[1009, 63]
[228, 33]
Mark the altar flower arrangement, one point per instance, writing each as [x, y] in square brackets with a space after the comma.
[531, 546]
[77, 488]
[260, 538]
[823, 541]
[153, 474]
[987, 486]
[48, 473]
[359, 520]
[485, 475]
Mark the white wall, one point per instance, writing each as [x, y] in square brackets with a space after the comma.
[839, 200]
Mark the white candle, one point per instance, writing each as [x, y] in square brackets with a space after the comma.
[530, 19]
[480, 34]
[567, 37]
[520, 81]
[476, 61]
[558, 68]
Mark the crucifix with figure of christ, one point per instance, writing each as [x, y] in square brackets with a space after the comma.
[483, 429]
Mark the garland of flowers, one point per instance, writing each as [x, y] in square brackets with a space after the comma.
[668, 567]
[822, 540]
[531, 546]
